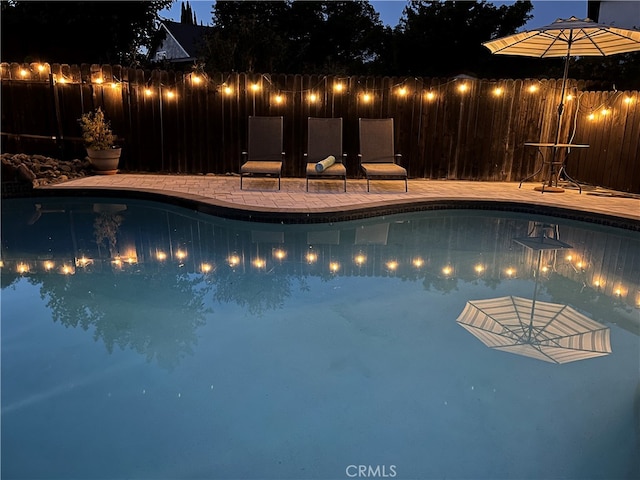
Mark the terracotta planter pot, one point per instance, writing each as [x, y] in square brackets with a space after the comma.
[104, 162]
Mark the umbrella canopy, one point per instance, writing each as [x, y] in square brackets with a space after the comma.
[568, 37]
[546, 331]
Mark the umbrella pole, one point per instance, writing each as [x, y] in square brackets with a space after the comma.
[565, 75]
[535, 294]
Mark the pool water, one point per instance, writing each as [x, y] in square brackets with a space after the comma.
[143, 340]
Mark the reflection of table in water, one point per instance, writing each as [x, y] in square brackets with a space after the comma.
[556, 161]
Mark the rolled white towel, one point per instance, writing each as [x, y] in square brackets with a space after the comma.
[326, 163]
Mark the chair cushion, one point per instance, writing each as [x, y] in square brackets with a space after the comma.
[261, 167]
[337, 169]
[383, 170]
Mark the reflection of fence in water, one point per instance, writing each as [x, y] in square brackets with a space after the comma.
[459, 246]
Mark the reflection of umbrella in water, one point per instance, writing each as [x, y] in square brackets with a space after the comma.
[547, 331]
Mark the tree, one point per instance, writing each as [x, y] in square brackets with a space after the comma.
[187, 16]
[286, 36]
[78, 32]
[445, 38]
[247, 36]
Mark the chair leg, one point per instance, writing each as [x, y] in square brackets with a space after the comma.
[345, 183]
[278, 182]
[307, 184]
[240, 181]
[367, 184]
[406, 185]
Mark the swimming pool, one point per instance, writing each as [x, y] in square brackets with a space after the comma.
[142, 340]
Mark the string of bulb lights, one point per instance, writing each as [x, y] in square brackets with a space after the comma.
[315, 93]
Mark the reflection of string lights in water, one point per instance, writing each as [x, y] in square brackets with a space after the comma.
[279, 254]
[332, 248]
[233, 260]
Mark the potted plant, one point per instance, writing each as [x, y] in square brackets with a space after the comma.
[99, 141]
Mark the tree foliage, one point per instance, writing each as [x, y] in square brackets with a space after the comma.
[286, 36]
[78, 32]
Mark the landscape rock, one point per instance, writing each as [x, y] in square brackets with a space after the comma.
[39, 170]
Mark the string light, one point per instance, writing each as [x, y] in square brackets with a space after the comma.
[228, 90]
[360, 259]
[170, 94]
[463, 87]
[196, 79]
[311, 257]
[99, 81]
[366, 97]
[255, 87]
[430, 95]
[279, 254]
[313, 98]
[23, 73]
[628, 100]
[605, 111]
[206, 268]
[392, 265]
[402, 91]
[259, 263]
[417, 262]
[278, 99]
[497, 91]
[148, 92]
[479, 268]
[41, 68]
[334, 267]
[532, 88]
[447, 270]
[233, 260]
[338, 87]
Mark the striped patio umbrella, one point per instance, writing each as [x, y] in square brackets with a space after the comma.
[566, 38]
[546, 331]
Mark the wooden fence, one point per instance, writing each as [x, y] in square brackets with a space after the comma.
[459, 128]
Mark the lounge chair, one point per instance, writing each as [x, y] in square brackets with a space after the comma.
[264, 156]
[324, 141]
[378, 159]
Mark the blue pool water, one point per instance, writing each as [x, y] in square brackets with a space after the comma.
[141, 340]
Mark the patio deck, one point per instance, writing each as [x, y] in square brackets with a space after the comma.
[326, 198]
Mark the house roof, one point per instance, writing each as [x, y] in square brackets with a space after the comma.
[189, 37]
